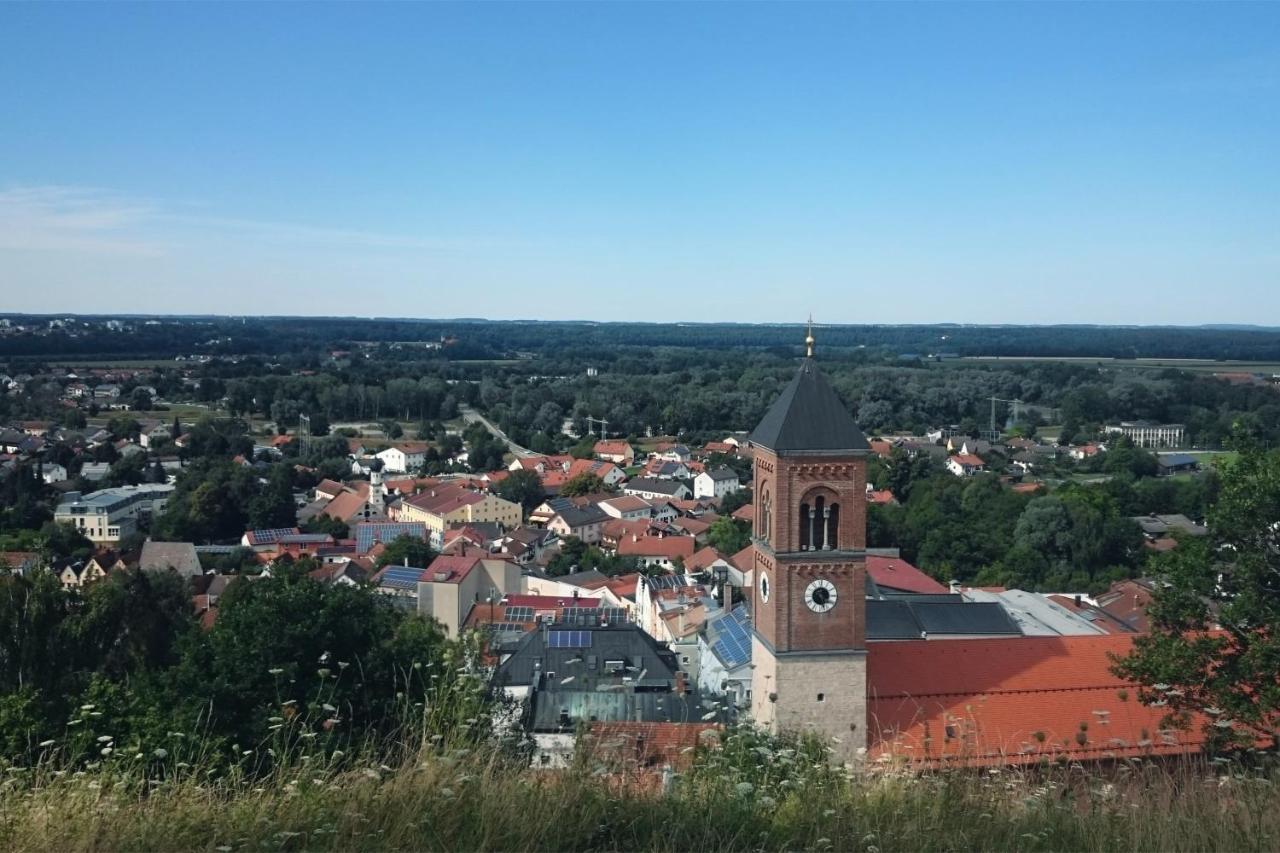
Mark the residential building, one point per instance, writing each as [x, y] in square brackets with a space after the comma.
[618, 452]
[585, 523]
[652, 489]
[404, 457]
[51, 472]
[448, 504]
[627, 508]
[573, 674]
[453, 583]
[109, 515]
[179, 557]
[661, 552]
[965, 465]
[716, 483]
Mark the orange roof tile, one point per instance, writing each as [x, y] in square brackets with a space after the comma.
[669, 547]
[1009, 701]
[896, 573]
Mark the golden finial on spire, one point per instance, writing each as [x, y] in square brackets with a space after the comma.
[808, 338]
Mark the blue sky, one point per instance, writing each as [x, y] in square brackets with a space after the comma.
[1111, 163]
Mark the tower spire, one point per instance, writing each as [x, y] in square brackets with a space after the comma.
[808, 337]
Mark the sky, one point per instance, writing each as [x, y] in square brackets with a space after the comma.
[868, 163]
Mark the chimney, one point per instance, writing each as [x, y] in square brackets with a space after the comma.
[727, 591]
[406, 562]
[1077, 601]
[682, 683]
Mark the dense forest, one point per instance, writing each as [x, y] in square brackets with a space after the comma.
[165, 337]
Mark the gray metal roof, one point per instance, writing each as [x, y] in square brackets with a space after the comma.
[170, 556]
[645, 664]
[808, 415]
[903, 619]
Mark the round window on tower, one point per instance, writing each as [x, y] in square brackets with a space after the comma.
[764, 587]
[820, 595]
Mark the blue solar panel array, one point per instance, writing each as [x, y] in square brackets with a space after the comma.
[401, 578]
[734, 643]
[386, 533]
[272, 534]
[569, 639]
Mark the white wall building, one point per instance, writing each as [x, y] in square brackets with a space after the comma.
[716, 483]
[109, 515]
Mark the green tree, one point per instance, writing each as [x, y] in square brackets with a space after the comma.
[585, 483]
[330, 657]
[406, 548]
[1227, 579]
[522, 487]
[728, 535]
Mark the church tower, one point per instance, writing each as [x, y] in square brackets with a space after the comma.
[809, 603]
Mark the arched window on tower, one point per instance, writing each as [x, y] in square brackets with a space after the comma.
[766, 516]
[805, 538]
[832, 524]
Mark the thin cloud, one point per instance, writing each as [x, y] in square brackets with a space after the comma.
[90, 220]
[74, 219]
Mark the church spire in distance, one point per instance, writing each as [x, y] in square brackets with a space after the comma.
[808, 338]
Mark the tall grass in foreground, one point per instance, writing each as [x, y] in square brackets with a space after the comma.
[749, 794]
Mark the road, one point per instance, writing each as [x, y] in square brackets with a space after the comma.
[471, 416]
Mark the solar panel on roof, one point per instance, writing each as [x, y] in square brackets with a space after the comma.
[569, 639]
[519, 614]
[271, 534]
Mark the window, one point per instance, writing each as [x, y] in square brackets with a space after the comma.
[615, 665]
[822, 697]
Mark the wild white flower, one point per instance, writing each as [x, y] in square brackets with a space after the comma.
[160, 752]
[324, 657]
[105, 739]
[337, 753]
[744, 788]
[87, 707]
[106, 750]
[275, 670]
[328, 707]
[45, 743]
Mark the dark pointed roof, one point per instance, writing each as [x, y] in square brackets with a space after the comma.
[808, 416]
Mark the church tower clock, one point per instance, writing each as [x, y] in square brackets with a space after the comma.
[809, 603]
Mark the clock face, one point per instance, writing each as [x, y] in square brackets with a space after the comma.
[764, 587]
[820, 595]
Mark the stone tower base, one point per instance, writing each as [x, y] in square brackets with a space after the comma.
[824, 693]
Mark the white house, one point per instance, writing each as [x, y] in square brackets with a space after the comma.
[403, 458]
[53, 472]
[652, 489]
[965, 465]
[627, 508]
[716, 483]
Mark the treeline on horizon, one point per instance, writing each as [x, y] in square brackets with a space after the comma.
[484, 339]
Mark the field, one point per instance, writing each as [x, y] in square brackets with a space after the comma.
[119, 363]
[748, 794]
[1198, 365]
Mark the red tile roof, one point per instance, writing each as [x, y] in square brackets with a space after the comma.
[896, 573]
[450, 568]
[1010, 701]
[881, 496]
[1128, 601]
[668, 547]
[746, 512]
[969, 460]
[703, 559]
